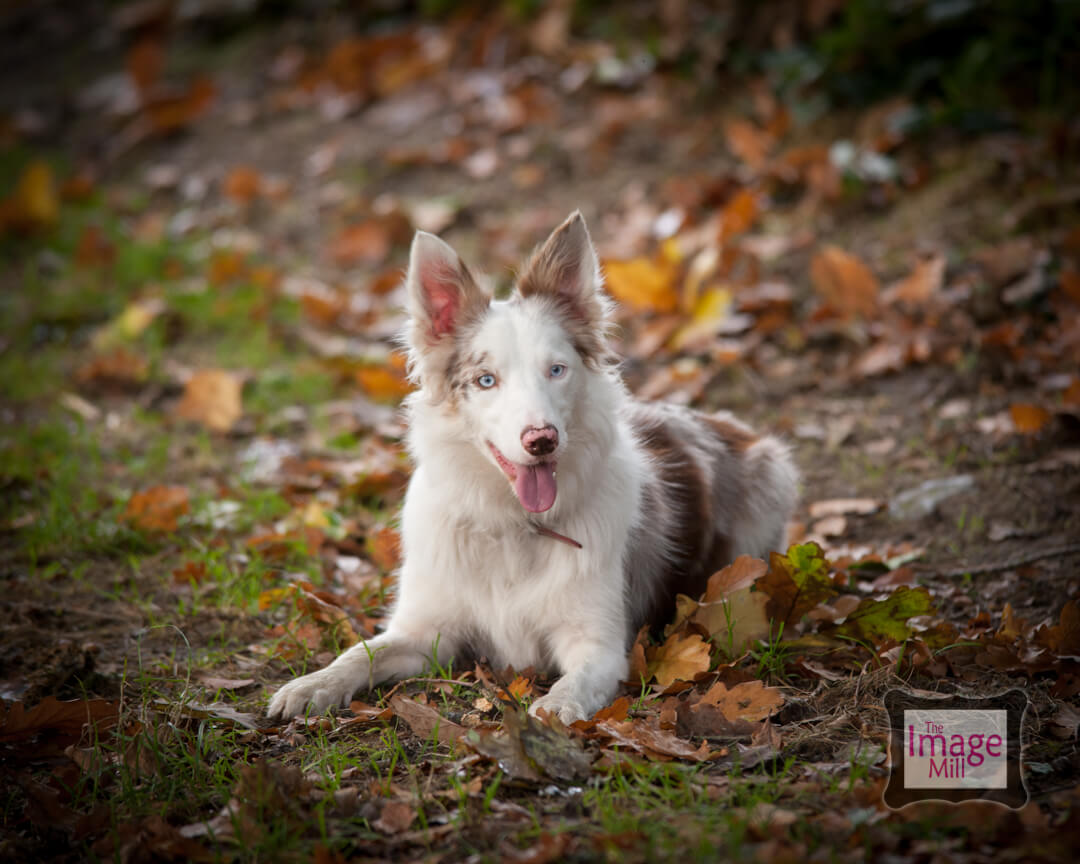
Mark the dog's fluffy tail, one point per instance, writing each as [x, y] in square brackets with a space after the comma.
[771, 489]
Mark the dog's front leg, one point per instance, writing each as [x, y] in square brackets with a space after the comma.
[592, 669]
[393, 654]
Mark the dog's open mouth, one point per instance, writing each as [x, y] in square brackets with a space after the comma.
[533, 484]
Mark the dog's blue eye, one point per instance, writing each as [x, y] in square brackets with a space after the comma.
[557, 370]
[486, 381]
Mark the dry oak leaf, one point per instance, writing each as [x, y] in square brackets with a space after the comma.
[396, 816]
[158, 508]
[1071, 396]
[520, 688]
[367, 242]
[748, 142]
[242, 184]
[923, 284]
[425, 721]
[639, 667]
[740, 213]
[212, 397]
[750, 700]
[1028, 418]
[366, 713]
[741, 573]
[170, 113]
[1063, 638]
[844, 282]
[67, 719]
[650, 740]
[680, 658]
[796, 582]
[120, 368]
[736, 622]
[643, 283]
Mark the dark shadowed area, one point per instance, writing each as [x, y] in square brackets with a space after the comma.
[855, 223]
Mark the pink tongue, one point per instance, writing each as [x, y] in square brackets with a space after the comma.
[535, 486]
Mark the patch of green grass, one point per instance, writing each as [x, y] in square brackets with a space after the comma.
[27, 375]
[57, 465]
[676, 811]
[772, 657]
[279, 386]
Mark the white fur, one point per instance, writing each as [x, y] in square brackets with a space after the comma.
[476, 574]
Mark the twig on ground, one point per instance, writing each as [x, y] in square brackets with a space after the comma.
[1010, 563]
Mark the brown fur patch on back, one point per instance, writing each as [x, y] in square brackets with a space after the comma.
[698, 549]
[736, 437]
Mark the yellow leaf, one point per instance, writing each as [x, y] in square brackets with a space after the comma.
[129, 324]
[844, 282]
[520, 687]
[709, 313]
[35, 203]
[643, 283]
[680, 658]
[272, 597]
[212, 397]
[314, 514]
[383, 383]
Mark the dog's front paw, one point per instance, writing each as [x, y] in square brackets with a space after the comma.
[566, 709]
[320, 690]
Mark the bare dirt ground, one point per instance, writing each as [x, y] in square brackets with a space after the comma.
[201, 454]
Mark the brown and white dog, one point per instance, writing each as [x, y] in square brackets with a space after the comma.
[550, 514]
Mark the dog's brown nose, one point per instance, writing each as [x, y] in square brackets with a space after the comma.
[540, 442]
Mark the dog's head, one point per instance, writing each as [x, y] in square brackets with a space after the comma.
[514, 371]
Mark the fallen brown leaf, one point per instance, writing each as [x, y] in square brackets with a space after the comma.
[923, 283]
[119, 369]
[242, 184]
[212, 397]
[748, 142]
[740, 573]
[1029, 418]
[680, 658]
[750, 700]
[425, 721]
[844, 282]
[395, 817]
[157, 509]
[66, 720]
[367, 242]
[649, 739]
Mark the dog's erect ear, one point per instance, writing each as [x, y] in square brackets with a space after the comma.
[442, 292]
[566, 268]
